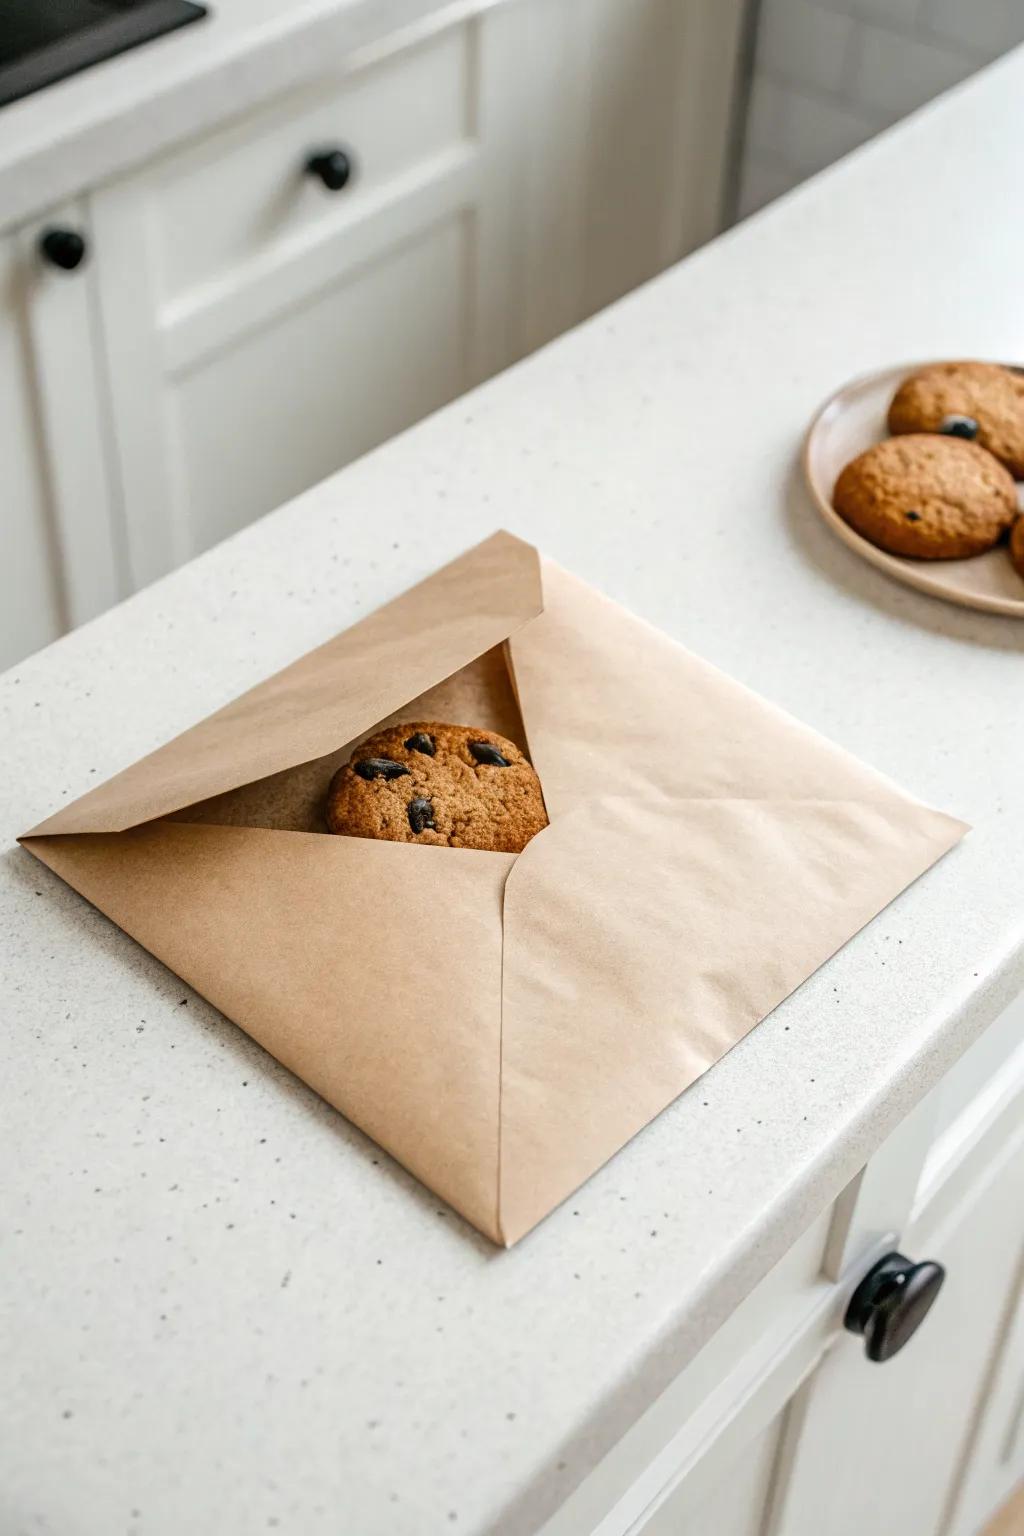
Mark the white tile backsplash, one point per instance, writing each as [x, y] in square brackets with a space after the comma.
[799, 41]
[984, 28]
[829, 74]
[895, 12]
[766, 119]
[894, 74]
[761, 182]
[816, 131]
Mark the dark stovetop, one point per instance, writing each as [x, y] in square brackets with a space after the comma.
[45, 40]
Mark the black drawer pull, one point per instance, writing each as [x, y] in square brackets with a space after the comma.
[331, 166]
[891, 1303]
[64, 248]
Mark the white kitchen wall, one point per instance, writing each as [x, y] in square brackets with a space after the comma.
[829, 74]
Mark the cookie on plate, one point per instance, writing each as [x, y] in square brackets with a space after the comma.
[449, 785]
[1017, 546]
[933, 498]
[981, 402]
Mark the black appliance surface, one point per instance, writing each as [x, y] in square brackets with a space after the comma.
[45, 40]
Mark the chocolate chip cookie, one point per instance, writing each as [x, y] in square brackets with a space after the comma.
[981, 402]
[1017, 546]
[933, 498]
[449, 785]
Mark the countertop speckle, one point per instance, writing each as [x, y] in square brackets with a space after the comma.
[222, 1308]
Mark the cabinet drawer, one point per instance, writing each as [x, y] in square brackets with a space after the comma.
[260, 330]
[231, 198]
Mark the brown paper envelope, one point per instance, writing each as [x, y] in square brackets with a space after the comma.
[513, 1021]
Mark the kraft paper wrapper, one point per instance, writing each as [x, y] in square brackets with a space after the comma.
[501, 1024]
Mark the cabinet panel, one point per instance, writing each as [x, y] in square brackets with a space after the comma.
[638, 64]
[219, 204]
[259, 332]
[60, 514]
[297, 354]
[995, 1461]
[782, 1427]
[73, 415]
[972, 1094]
[738, 1505]
[625, 144]
[323, 383]
[881, 1447]
[30, 605]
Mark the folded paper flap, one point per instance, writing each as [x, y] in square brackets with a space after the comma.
[336, 954]
[644, 938]
[614, 706]
[329, 696]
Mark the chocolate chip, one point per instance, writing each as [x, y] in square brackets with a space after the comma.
[419, 741]
[485, 753]
[959, 426]
[379, 768]
[421, 814]
[912, 517]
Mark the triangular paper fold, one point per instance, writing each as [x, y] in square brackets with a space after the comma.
[330, 696]
[271, 928]
[626, 977]
[502, 1024]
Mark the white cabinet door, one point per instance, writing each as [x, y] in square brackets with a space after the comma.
[995, 1461]
[736, 1505]
[60, 522]
[31, 610]
[262, 329]
[625, 142]
[781, 1427]
[882, 1447]
[512, 171]
[239, 330]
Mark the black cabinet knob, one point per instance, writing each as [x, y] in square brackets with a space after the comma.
[64, 248]
[891, 1303]
[333, 167]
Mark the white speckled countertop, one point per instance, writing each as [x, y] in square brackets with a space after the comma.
[80, 132]
[225, 1310]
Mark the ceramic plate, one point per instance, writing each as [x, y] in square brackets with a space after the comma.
[850, 421]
